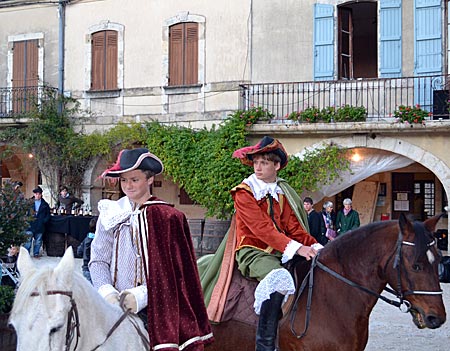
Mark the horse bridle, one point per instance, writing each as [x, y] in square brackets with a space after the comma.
[398, 263]
[73, 322]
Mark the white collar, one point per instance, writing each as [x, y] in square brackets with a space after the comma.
[260, 188]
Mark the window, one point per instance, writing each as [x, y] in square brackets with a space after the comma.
[357, 43]
[183, 54]
[25, 77]
[104, 60]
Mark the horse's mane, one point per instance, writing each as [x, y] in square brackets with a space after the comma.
[43, 280]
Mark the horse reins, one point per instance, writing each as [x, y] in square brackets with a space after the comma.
[398, 263]
[73, 322]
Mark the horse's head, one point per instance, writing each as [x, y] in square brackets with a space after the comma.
[43, 304]
[415, 276]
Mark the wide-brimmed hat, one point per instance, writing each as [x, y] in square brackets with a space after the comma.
[37, 190]
[129, 160]
[265, 145]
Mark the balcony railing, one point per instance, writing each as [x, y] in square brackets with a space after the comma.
[18, 101]
[380, 97]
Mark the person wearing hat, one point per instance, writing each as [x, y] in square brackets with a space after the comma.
[40, 211]
[270, 229]
[142, 253]
[18, 195]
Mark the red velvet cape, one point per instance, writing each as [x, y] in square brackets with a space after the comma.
[177, 315]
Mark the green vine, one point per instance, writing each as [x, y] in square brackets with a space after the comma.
[197, 160]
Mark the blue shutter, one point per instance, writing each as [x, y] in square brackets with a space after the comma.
[323, 42]
[390, 38]
[427, 49]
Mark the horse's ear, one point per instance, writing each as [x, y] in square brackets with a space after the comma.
[24, 263]
[405, 224]
[430, 223]
[64, 269]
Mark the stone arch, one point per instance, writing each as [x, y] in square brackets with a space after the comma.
[397, 146]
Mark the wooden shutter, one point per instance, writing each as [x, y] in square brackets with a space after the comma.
[98, 61]
[183, 54]
[176, 55]
[111, 60]
[25, 75]
[390, 38]
[323, 42]
[104, 60]
[428, 50]
[191, 54]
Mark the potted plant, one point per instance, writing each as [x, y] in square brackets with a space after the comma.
[411, 114]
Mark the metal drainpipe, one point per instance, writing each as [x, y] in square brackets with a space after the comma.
[62, 24]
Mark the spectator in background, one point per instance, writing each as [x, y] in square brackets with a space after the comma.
[40, 211]
[329, 218]
[315, 222]
[84, 249]
[347, 218]
[67, 202]
[18, 195]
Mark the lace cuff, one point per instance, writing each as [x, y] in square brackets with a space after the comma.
[290, 251]
[279, 280]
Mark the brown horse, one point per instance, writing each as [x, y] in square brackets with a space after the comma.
[348, 277]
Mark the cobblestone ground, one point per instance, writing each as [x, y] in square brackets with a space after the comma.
[390, 329]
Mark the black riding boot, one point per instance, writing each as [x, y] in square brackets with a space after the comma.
[266, 334]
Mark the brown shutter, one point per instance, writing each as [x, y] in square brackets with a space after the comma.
[176, 54]
[111, 60]
[25, 74]
[32, 78]
[98, 60]
[18, 78]
[191, 54]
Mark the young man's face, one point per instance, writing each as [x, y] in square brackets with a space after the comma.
[136, 186]
[37, 196]
[307, 206]
[265, 170]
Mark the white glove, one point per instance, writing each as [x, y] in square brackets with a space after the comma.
[109, 293]
[134, 299]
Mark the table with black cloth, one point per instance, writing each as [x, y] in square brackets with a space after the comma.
[64, 231]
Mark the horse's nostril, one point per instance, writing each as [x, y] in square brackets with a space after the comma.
[434, 322]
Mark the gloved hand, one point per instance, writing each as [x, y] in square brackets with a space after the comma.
[134, 298]
[109, 293]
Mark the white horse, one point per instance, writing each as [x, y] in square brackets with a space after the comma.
[57, 309]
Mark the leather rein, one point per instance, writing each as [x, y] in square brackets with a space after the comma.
[402, 304]
[73, 322]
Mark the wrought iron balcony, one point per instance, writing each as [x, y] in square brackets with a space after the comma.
[15, 102]
[380, 97]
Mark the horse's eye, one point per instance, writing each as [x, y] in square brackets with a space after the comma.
[55, 329]
[416, 267]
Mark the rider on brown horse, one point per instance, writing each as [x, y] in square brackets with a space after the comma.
[270, 230]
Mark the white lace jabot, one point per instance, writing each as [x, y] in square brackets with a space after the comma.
[115, 212]
[260, 188]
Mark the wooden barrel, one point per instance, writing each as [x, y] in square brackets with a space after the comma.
[196, 229]
[71, 241]
[55, 244]
[8, 340]
[213, 233]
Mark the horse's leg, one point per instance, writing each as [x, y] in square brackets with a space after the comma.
[233, 336]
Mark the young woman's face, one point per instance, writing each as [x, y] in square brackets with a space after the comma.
[136, 186]
[265, 170]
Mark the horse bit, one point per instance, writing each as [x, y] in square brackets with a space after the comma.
[73, 322]
[403, 305]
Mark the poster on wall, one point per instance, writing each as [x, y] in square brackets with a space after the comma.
[401, 205]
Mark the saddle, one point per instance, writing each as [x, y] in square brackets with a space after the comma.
[241, 298]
